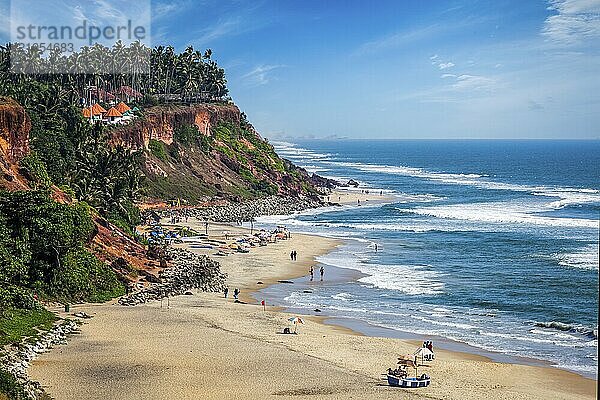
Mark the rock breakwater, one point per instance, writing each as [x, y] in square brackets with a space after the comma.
[188, 271]
[18, 358]
[249, 210]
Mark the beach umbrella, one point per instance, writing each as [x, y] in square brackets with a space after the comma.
[423, 354]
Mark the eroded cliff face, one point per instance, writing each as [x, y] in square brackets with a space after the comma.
[159, 123]
[14, 143]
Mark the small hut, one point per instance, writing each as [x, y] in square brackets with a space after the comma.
[113, 115]
[93, 113]
[98, 109]
[123, 108]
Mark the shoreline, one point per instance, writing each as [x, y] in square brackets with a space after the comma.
[190, 348]
[349, 324]
[349, 196]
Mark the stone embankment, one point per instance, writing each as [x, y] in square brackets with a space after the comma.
[189, 271]
[18, 358]
[249, 210]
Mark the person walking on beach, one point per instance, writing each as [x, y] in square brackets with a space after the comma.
[236, 293]
[312, 274]
[292, 256]
[322, 271]
[226, 292]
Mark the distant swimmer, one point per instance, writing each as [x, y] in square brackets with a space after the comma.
[376, 247]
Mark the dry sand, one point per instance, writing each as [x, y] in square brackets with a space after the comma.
[208, 347]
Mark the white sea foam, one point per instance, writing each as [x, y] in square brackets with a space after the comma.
[585, 258]
[408, 279]
[565, 196]
[501, 213]
[290, 150]
[343, 296]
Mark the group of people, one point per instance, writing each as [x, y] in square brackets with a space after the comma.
[294, 255]
[428, 344]
[400, 372]
[312, 273]
[236, 293]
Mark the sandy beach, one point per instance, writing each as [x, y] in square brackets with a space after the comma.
[352, 196]
[205, 346]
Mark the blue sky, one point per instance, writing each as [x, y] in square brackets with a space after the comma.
[401, 69]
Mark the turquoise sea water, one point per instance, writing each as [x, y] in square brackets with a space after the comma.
[489, 243]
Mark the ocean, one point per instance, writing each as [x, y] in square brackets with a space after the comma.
[492, 244]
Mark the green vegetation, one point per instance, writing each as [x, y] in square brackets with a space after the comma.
[158, 150]
[35, 171]
[10, 388]
[17, 323]
[42, 251]
[183, 187]
[187, 135]
[159, 74]
[256, 170]
[43, 256]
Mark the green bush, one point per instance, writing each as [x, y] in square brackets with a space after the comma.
[16, 297]
[35, 171]
[127, 217]
[158, 150]
[42, 250]
[10, 388]
[149, 101]
[186, 135]
[82, 277]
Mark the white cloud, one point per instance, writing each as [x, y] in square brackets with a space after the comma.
[448, 76]
[433, 57]
[165, 9]
[260, 74]
[576, 22]
[446, 65]
[230, 26]
[473, 82]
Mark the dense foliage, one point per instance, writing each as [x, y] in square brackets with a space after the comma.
[158, 73]
[42, 252]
